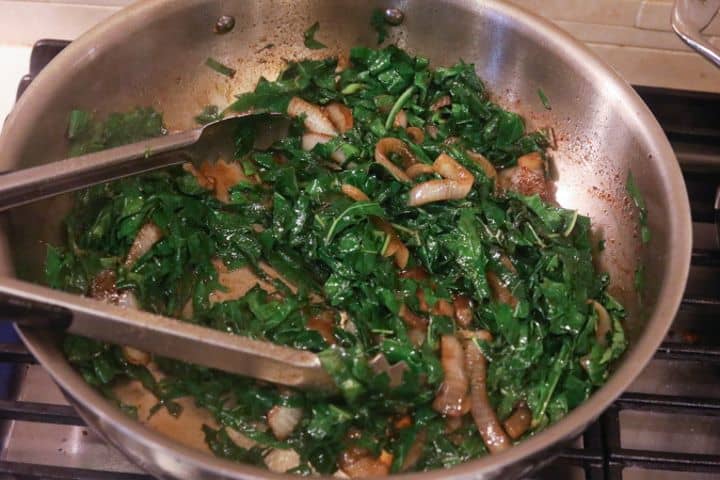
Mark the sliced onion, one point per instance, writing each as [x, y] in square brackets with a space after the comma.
[449, 168]
[402, 256]
[433, 131]
[219, 176]
[146, 237]
[310, 139]
[518, 422]
[414, 171]
[452, 398]
[415, 273]
[441, 102]
[417, 336]
[281, 460]
[400, 119]
[387, 146]
[500, 291]
[412, 319]
[357, 463]
[492, 433]
[416, 134]
[532, 161]
[527, 178]
[103, 287]
[135, 356]
[323, 323]
[315, 119]
[283, 420]
[354, 193]
[392, 247]
[415, 452]
[340, 116]
[603, 325]
[395, 247]
[236, 283]
[436, 191]
[403, 422]
[422, 303]
[443, 308]
[483, 163]
[456, 184]
[463, 310]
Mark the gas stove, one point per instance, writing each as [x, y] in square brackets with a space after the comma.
[666, 426]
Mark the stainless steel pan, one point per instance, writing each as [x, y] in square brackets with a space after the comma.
[153, 54]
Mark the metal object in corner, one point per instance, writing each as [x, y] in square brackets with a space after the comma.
[689, 19]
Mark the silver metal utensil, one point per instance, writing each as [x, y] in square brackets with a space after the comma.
[36, 183]
[690, 18]
[35, 306]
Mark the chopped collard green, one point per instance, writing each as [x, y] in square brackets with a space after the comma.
[639, 202]
[544, 99]
[219, 67]
[309, 37]
[360, 272]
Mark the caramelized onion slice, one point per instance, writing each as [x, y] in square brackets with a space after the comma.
[323, 323]
[491, 431]
[414, 171]
[219, 176]
[358, 463]
[463, 310]
[400, 119]
[135, 356]
[483, 163]
[452, 398]
[415, 273]
[500, 291]
[441, 102]
[436, 191]
[280, 460]
[315, 119]
[527, 178]
[340, 116]
[310, 139]
[283, 420]
[519, 422]
[354, 193]
[412, 319]
[415, 451]
[456, 184]
[416, 134]
[603, 325]
[148, 235]
[388, 146]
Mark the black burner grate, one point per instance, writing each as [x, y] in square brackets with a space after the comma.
[688, 119]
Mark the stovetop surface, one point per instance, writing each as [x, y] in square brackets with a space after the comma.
[666, 426]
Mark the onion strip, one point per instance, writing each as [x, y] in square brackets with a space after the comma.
[452, 398]
[389, 145]
[315, 119]
[491, 431]
[456, 183]
[603, 325]
[518, 422]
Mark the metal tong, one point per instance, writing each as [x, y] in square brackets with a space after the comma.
[35, 306]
